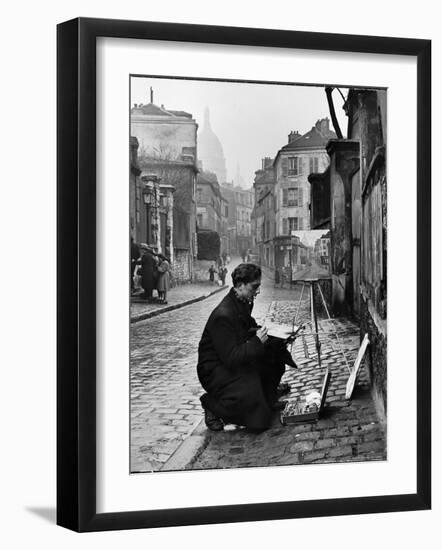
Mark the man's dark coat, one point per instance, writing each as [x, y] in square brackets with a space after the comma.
[148, 266]
[239, 373]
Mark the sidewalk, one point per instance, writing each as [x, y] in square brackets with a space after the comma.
[347, 431]
[179, 296]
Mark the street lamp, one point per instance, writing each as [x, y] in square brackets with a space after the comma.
[150, 189]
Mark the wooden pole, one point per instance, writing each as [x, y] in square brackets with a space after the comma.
[315, 322]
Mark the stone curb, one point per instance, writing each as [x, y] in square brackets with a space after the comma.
[189, 450]
[148, 315]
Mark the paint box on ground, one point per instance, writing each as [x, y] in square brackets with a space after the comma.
[301, 411]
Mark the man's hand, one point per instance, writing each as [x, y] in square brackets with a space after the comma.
[262, 334]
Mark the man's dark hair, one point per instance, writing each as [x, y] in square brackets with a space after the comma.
[245, 273]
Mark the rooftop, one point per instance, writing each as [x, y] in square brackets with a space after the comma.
[150, 109]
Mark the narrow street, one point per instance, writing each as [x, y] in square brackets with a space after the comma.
[166, 411]
[165, 390]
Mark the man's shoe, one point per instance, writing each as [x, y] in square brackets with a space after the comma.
[213, 422]
[283, 389]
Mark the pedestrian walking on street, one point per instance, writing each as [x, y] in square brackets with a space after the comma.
[148, 266]
[163, 283]
[212, 271]
[222, 274]
[239, 371]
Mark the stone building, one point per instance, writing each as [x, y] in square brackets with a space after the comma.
[228, 194]
[224, 235]
[164, 207]
[212, 207]
[210, 151]
[263, 216]
[350, 199]
[367, 123]
[209, 202]
[293, 163]
[244, 203]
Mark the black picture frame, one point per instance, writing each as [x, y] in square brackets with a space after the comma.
[76, 274]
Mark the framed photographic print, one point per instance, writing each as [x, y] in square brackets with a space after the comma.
[241, 214]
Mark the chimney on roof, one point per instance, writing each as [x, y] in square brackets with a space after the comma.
[135, 105]
[294, 135]
[151, 94]
[266, 162]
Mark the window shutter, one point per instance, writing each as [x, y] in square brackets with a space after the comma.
[311, 165]
[300, 197]
[284, 197]
[284, 226]
[284, 166]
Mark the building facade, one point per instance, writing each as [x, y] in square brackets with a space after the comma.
[209, 202]
[367, 123]
[303, 155]
[352, 196]
[263, 216]
[164, 206]
[228, 194]
[244, 203]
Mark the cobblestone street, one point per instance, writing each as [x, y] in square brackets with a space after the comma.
[348, 430]
[165, 390]
[166, 414]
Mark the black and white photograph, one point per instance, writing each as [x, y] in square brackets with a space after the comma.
[258, 274]
[231, 319]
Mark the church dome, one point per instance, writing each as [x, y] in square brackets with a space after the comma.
[210, 150]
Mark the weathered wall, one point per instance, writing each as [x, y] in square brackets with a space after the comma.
[344, 162]
[181, 271]
[163, 139]
[376, 356]
[367, 117]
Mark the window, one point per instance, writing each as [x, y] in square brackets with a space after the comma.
[314, 164]
[200, 220]
[292, 196]
[293, 224]
[295, 166]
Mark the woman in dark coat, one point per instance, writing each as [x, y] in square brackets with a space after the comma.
[238, 370]
[147, 271]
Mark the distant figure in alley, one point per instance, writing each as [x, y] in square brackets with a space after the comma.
[239, 366]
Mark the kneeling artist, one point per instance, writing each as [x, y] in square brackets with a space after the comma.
[239, 365]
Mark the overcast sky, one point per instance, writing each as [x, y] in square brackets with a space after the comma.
[252, 121]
